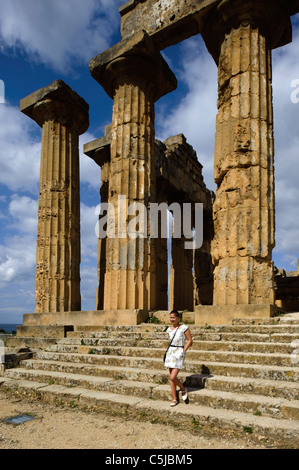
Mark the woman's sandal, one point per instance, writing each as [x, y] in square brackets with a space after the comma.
[185, 396]
[174, 403]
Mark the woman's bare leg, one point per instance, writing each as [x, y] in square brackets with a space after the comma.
[174, 381]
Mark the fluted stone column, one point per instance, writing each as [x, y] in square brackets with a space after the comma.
[63, 116]
[240, 36]
[135, 77]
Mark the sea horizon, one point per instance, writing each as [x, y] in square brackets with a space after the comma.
[9, 327]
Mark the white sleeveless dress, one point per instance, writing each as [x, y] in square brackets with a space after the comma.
[175, 356]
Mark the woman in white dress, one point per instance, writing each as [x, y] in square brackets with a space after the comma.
[181, 340]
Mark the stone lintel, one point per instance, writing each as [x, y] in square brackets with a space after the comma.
[170, 21]
[144, 61]
[167, 22]
[58, 91]
[87, 318]
[224, 314]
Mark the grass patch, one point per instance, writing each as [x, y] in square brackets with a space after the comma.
[248, 429]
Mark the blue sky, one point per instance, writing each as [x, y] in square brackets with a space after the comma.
[41, 41]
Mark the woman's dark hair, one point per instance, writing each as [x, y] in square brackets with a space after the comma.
[176, 313]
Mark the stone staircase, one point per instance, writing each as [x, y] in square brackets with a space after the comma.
[241, 377]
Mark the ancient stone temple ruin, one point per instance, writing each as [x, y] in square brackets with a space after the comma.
[231, 274]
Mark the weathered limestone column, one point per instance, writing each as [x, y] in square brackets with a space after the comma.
[240, 36]
[181, 277]
[135, 75]
[63, 116]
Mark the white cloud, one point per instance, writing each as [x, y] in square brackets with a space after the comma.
[58, 33]
[17, 260]
[19, 171]
[195, 114]
[19, 150]
[90, 172]
[89, 239]
[17, 254]
[286, 132]
[23, 211]
[20, 153]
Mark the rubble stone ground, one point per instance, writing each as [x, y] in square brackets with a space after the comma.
[69, 428]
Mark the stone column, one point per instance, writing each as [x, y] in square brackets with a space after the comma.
[240, 36]
[135, 76]
[63, 116]
[181, 278]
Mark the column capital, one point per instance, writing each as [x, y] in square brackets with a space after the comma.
[133, 60]
[272, 17]
[57, 102]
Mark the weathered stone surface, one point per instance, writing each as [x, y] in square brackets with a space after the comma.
[244, 171]
[63, 115]
[272, 17]
[60, 95]
[166, 21]
[223, 314]
[90, 317]
[171, 21]
[135, 58]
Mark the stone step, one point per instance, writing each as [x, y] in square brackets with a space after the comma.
[139, 330]
[143, 407]
[73, 344]
[279, 320]
[29, 342]
[256, 337]
[270, 406]
[127, 367]
[118, 355]
[271, 388]
[261, 329]
[270, 336]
